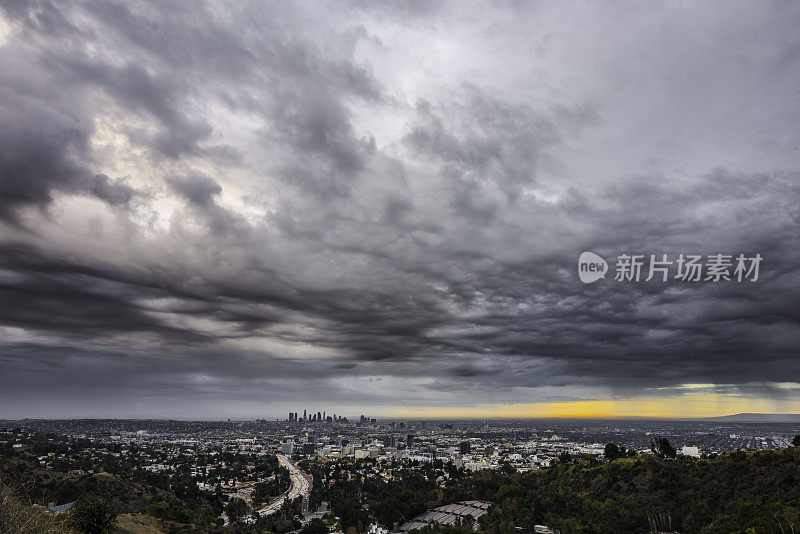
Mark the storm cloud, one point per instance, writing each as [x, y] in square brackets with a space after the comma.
[234, 209]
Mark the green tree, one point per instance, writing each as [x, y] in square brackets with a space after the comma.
[796, 440]
[613, 451]
[261, 493]
[236, 510]
[507, 468]
[315, 526]
[662, 448]
[93, 515]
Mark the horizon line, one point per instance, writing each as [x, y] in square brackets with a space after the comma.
[413, 418]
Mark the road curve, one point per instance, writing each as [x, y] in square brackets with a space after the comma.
[299, 486]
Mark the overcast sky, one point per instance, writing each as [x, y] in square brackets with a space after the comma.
[237, 210]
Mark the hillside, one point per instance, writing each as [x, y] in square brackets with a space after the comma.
[124, 495]
[18, 516]
[741, 492]
[732, 493]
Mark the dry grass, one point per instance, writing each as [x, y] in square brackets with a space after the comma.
[20, 517]
[138, 524]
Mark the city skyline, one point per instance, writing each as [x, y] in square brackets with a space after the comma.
[235, 210]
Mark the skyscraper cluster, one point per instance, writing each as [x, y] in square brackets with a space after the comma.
[319, 417]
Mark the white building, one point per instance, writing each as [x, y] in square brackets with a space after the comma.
[376, 529]
[690, 451]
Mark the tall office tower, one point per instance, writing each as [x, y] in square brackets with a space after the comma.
[409, 441]
[465, 447]
[334, 418]
[290, 417]
[363, 418]
[319, 416]
[323, 415]
[304, 416]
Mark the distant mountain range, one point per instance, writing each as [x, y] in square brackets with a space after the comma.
[755, 418]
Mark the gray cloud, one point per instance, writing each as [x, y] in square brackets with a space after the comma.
[263, 201]
[44, 146]
[198, 189]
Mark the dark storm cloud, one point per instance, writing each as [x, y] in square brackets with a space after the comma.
[133, 87]
[44, 143]
[242, 203]
[497, 142]
[55, 295]
[197, 189]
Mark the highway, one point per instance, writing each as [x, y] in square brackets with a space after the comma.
[300, 486]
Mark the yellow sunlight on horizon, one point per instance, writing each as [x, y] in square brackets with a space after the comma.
[674, 406]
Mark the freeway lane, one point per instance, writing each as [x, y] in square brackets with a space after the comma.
[299, 487]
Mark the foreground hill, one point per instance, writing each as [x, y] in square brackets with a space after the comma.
[742, 492]
[124, 495]
[759, 491]
[17, 516]
[140, 508]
